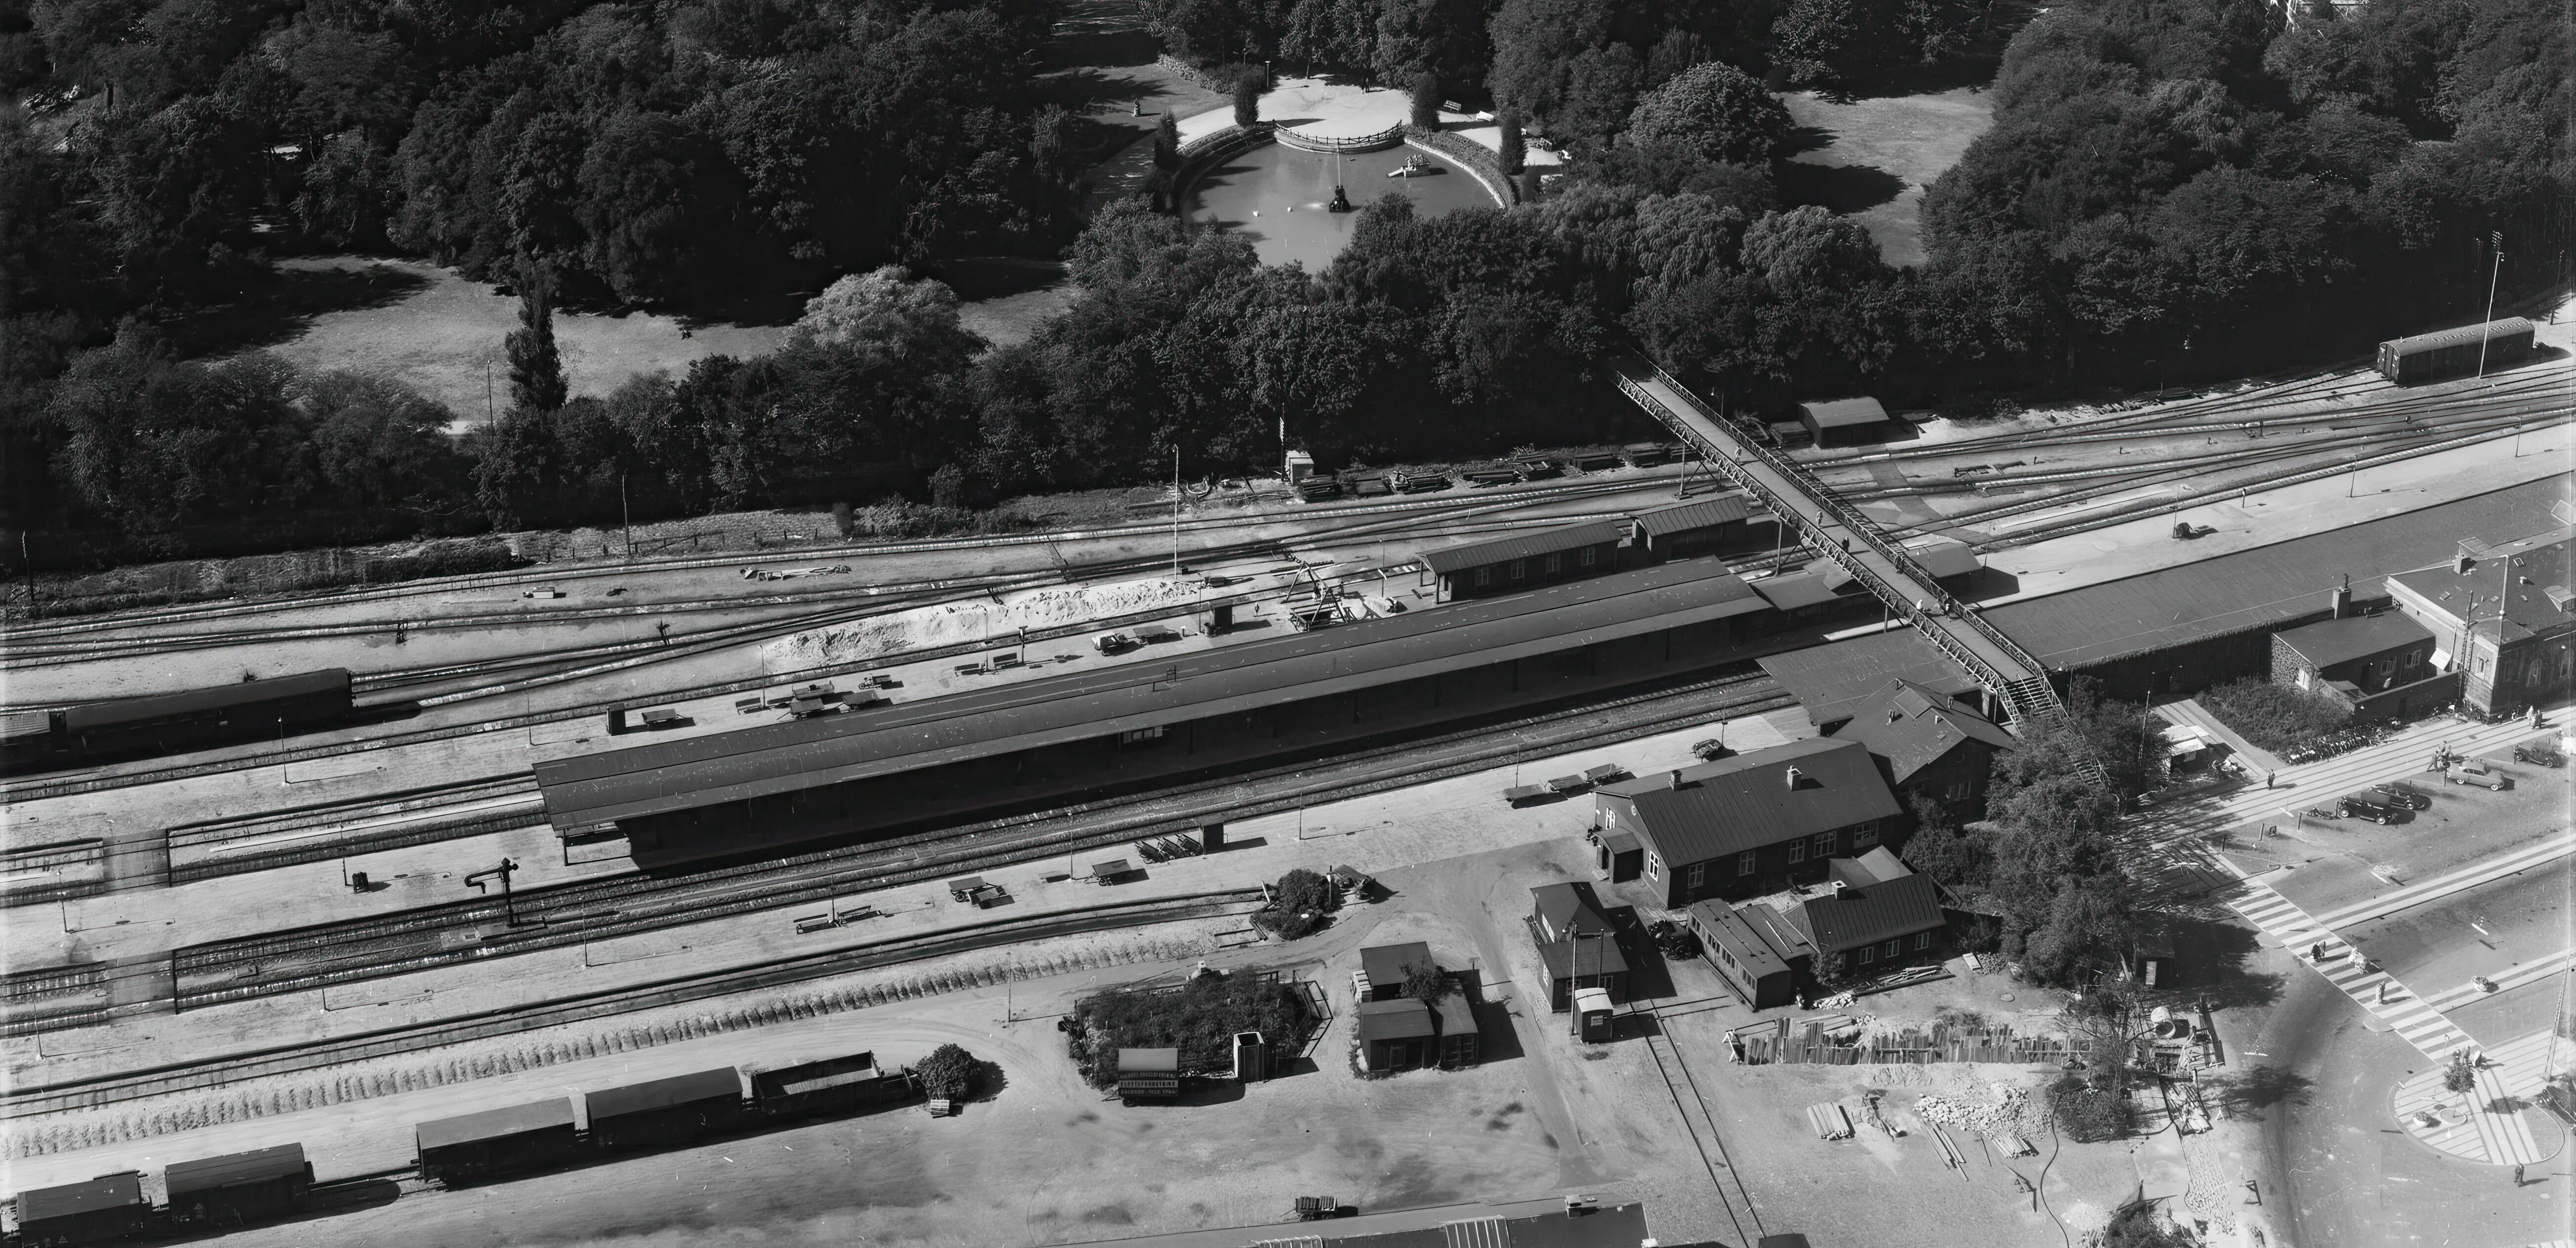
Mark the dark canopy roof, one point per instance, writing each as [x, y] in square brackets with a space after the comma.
[1404, 1018]
[590, 789]
[1852, 917]
[1389, 964]
[1838, 413]
[1705, 513]
[239, 693]
[1914, 726]
[1833, 681]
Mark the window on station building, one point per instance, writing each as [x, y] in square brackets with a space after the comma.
[1698, 875]
[1585, 559]
[1555, 563]
[1922, 940]
[1797, 851]
[1864, 834]
[1824, 845]
[1484, 577]
[1895, 947]
[1520, 569]
[1141, 736]
[1744, 863]
[1864, 954]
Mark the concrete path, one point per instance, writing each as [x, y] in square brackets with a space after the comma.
[2513, 1072]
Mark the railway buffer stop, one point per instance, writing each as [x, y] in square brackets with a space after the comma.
[110, 1206]
[497, 1141]
[239, 1187]
[665, 1111]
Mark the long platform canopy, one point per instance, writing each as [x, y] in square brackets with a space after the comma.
[588, 790]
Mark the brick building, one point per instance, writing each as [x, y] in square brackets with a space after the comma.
[1928, 745]
[2503, 616]
[1751, 824]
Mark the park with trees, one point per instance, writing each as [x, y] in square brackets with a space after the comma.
[2163, 179]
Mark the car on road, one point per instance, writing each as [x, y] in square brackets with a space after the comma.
[2357, 807]
[2535, 752]
[2406, 795]
[2474, 772]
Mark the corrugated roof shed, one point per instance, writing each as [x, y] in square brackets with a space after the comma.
[653, 1094]
[1457, 1015]
[1841, 413]
[2462, 335]
[1705, 513]
[108, 1191]
[1913, 726]
[255, 1166]
[136, 710]
[495, 1124]
[1403, 1018]
[1775, 929]
[1746, 802]
[2258, 588]
[1388, 965]
[1875, 867]
[1834, 681]
[588, 789]
[1450, 559]
[1854, 917]
[2337, 641]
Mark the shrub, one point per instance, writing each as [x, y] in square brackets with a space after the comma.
[949, 1071]
[2276, 717]
[1426, 982]
[1514, 153]
[2460, 1073]
[1426, 101]
[2088, 1115]
[1199, 1018]
[1300, 905]
[1833, 971]
[1247, 96]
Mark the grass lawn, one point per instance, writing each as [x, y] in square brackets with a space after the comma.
[1870, 159]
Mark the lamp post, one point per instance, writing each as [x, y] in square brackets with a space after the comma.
[2487, 329]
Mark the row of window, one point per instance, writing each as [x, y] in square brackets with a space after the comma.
[1892, 949]
[1821, 845]
[1554, 563]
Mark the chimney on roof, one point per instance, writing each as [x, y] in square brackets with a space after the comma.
[2463, 563]
[2342, 598]
[1795, 776]
[1673, 779]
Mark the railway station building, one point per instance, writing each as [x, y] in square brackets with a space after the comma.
[1877, 913]
[1721, 522]
[1754, 823]
[1927, 745]
[2379, 665]
[877, 772]
[2503, 616]
[1842, 422]
[1577, 947]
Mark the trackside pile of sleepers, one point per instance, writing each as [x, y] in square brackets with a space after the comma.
[271, 1183]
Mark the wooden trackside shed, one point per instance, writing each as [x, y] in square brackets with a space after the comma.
[496, 1142]
[110, 1206]
[1460, 1043]
[665, 1111]
[1842, 421]
[1396, 1034]
[1568, 552]
[1697, 527]
[2455, 351]
[239, 1187]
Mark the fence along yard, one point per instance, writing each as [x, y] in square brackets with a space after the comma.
[1806, 1044]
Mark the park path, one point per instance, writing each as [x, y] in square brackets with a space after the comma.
[1103, 67]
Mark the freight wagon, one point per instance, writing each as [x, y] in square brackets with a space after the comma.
[2455, 352]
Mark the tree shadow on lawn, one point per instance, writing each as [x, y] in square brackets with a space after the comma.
[1804, 139]
[1072, 48]
[282, 303]
[1837, 188]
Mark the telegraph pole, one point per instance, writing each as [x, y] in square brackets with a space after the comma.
[2487, 329]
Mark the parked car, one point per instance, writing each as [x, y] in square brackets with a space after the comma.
[2474, 772]
[2406, 795]
[1676, 941]
[2535, 752]
[2374, 811]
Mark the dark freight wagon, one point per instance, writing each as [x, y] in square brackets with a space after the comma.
[2455, 352]
[497, 1142]
[241, 1187]
[108, 1207]
[832, 1086]
[665, 1111]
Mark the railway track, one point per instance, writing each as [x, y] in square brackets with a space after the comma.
[28, 1100]
[580, 911]
[1699, 1120]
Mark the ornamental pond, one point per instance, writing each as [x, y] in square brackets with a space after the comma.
[1276, 196]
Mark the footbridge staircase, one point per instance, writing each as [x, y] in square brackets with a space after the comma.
[1839, 532]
